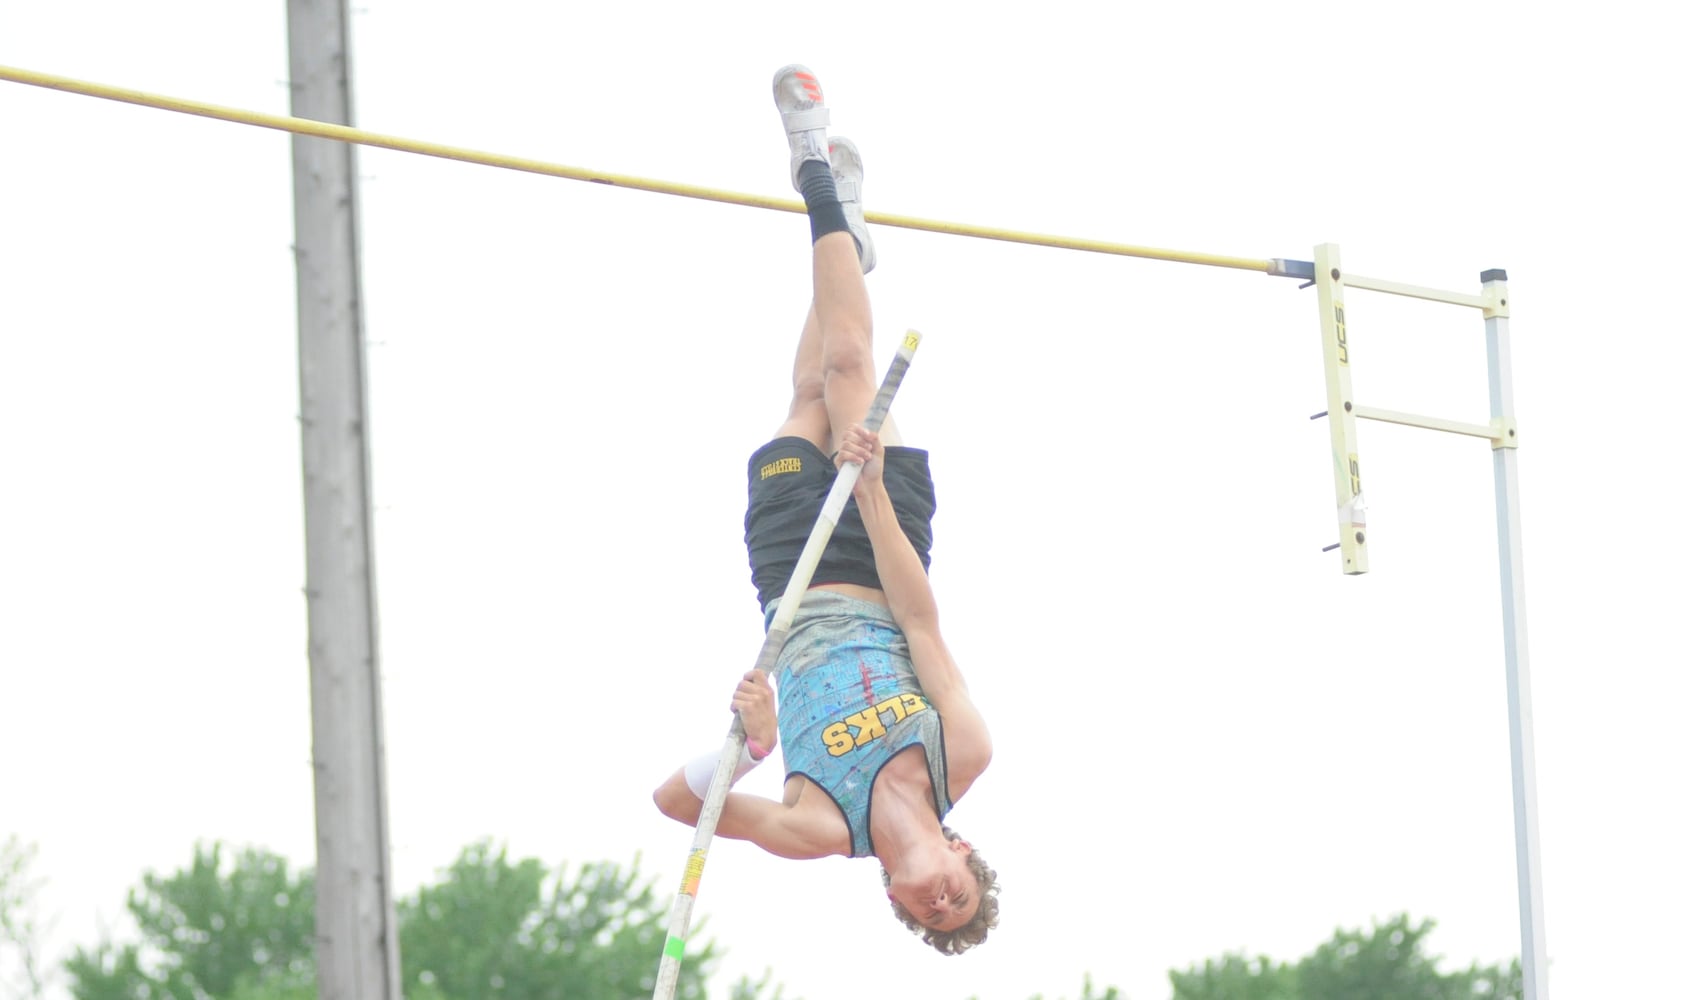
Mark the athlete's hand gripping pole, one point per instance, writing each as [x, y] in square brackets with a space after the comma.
[670, 966]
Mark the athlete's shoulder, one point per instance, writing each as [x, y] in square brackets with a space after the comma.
[812, 820]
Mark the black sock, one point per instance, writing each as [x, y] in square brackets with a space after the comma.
[822, 203]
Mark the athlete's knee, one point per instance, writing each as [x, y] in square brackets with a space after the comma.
[808, 390]
[846, 352]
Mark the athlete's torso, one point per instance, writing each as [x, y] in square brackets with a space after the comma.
[849, 703]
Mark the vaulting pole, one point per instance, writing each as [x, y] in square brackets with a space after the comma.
[670, 965]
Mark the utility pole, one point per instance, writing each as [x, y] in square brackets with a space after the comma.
[357, 940]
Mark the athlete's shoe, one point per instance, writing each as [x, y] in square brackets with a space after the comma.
[804, 115]
[848, 168]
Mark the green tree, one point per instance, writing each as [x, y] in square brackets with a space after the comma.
[491, 927]
[745, 989]
[1111, 992]
[1388, 962]
[496, 928]
[21, 975]
[274, 991]
[240, 930]
[1236, 977]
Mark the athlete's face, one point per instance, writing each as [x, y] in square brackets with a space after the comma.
[937, 888]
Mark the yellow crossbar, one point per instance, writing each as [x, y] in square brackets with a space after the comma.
[344, 133]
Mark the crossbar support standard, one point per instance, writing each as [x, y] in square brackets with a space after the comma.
[1507, 493]
[1501, 433]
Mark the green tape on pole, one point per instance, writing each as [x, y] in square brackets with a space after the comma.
[673, 947]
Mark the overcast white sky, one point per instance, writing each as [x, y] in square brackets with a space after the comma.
[1207, 737]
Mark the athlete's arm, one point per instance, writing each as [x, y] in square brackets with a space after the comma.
[775, 826]
[912, 601]
[904, 583]
[778, 828]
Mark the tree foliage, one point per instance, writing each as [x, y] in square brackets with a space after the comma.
[1236, 977]
[490, 927]
[1388, 962]
[746, 989]
[21, 974]
[495, 928]
[1111, 992]
[241, 929]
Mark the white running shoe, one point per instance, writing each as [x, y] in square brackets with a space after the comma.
[848, 168]
[805, 117]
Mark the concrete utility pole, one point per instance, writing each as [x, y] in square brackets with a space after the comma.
[357, 937]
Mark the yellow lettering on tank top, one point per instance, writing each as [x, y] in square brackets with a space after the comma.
[837, 739]
[869, 726]
[843, 736]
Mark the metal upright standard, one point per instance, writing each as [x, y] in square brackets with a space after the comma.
[343, 629]
[1343, 423]
[357, 941]
[1501, 433]
[1524, 798]
[670, 965]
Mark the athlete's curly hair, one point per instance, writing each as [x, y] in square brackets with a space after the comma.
[956, 942]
